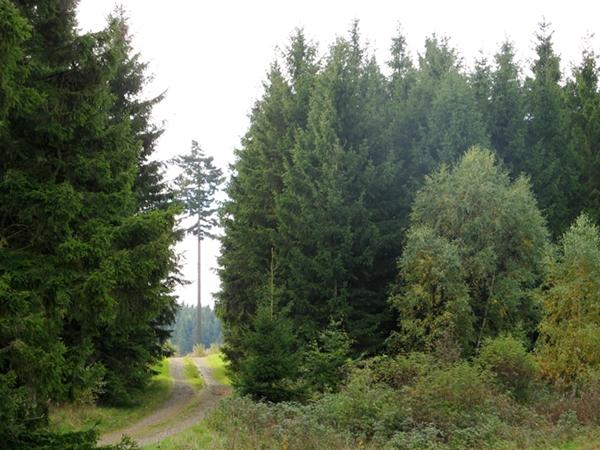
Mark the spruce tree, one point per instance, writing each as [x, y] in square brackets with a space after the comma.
[584, 112]
[507, 125]
[550, 158]
[90, 270]
[249, 217]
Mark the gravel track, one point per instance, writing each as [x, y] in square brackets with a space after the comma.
[185, 407]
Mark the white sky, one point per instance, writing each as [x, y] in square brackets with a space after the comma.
[212, 57]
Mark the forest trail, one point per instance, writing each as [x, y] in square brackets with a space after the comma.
[184, 407]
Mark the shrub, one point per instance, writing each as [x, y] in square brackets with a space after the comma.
[399, 371]
[456, 397]
[426, 438]
[363, 408]
[584, 402]
[199, 351]
[514, 367]
[326, 361]
[245, 424]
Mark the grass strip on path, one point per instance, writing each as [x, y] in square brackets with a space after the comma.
[76, 417]
[192, 375]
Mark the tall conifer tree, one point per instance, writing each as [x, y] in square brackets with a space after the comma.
[550, 158]
[196, 188]
[584, 110]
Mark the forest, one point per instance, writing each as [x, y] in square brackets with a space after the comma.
[410, 251]
[184, 329]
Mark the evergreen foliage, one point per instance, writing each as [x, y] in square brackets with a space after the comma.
[269, 366]
[196, 187]
[86, 261]
[335, 155]
[325, 363]
[184, 329]
[550, 157]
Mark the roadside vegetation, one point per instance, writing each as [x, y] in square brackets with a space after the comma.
[217, 363]
[103, 419]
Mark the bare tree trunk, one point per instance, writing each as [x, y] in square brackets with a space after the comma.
[199, 305]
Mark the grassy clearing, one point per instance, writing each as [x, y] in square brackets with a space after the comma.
[217, 364]
[75, 417]
[191, 374]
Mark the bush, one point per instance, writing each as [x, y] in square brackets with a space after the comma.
[198, 351]
[583, 402]
[514, 367]
[325, 363]
[456, 397]
[245, 424]
[399, 371]
[363, 408]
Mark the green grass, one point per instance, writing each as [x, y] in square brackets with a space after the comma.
[75, 417]
[192, 374]
[198, 437]
[217, 364]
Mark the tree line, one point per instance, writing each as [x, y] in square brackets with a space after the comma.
[184, 333]
[351, 202]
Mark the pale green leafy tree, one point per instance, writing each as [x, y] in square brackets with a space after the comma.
[472, 257]
[569, 345]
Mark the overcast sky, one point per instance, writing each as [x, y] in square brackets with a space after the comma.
[212, 56]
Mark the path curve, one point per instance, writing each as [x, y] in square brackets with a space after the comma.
[185, 407]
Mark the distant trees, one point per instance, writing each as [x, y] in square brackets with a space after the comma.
[550, 159]
[184, 328]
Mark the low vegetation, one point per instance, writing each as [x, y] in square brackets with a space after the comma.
[102, 419]
[414, 402]
[198, 437]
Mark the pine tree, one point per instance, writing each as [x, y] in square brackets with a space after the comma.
[196, 187]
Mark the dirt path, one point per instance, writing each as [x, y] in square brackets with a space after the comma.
[184, 407]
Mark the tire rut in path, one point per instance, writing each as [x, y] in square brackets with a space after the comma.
[185, 407]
